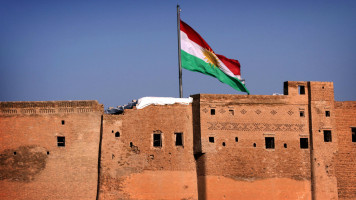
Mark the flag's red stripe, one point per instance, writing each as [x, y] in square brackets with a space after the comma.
[233, 65]
[193, 35]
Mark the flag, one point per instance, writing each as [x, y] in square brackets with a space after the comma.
[196, 55]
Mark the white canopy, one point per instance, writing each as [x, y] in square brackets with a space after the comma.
[146, 101]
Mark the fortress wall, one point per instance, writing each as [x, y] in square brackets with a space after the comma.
[33, 166]
[324, 139]
[232, 166]
[226, 149]
[132, 168]
[346, 157]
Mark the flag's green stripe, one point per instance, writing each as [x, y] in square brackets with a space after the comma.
[193, 63]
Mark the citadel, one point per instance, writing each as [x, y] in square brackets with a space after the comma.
[299, 145]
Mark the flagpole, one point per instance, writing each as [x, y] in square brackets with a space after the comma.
[179, 56]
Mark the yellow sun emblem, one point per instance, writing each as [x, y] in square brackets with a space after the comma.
[211, 58]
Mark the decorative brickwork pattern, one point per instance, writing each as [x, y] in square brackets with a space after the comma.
[290, 112]
[255, 126]
[9, 111]
[82, 110]
[29, 111]
[47, 111]
[66, 110]
[222, 111]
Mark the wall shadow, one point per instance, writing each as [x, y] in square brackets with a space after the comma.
[197, 149]
[99, 158]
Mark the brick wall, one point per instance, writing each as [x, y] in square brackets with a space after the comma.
[132, 168]
[321, 100]
[33, 166]
[223, 153]
[346, 158]
[236, 163]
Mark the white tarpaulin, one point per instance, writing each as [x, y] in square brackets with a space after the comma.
[146, 101]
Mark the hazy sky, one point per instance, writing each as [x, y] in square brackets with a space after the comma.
[116, 51]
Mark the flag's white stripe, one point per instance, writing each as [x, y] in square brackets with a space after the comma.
[194, 49]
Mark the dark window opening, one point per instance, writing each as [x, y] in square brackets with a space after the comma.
[254, 144]
[157, 140]
[269, 142]
[353, 130]
[301, 89]
[211, 139]
[117, 134]
[179, 139]
[285, 145]
[327, 136]
[236, 139]
[303, 143]
[63, 122]
[301, 113]
[327, 113]
[14, 152]
[212, 111]
[223, 143]
[131, 145]
[61, 141]
[47, 152]
[112, 131]
[231, 112]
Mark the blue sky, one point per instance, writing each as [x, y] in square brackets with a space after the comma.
[116, 51]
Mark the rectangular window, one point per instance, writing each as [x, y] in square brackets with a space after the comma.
[301, 89]
[231, 112]
[179, 139]
[303, 143]
[301, 113]
[353, 130]
[327, 113]
[327, 136]
[212, 111]
[61, 141]
[211, 139]
[157, 140]
[269, 142]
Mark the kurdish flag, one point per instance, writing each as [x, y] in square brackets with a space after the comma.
[196, 55]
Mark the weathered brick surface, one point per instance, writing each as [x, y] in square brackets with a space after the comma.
[236, 165]
[346, 157]
[321, 99]
[132, 168]
[40, 169]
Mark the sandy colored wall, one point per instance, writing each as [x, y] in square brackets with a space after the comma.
[321, 100]
[236, 164]
[346, 158]
[32, 166]
[231, 168]
[131, 168]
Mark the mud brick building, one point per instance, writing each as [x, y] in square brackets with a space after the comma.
[300, 145]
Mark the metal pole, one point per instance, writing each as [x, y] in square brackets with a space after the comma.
[179, 56]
